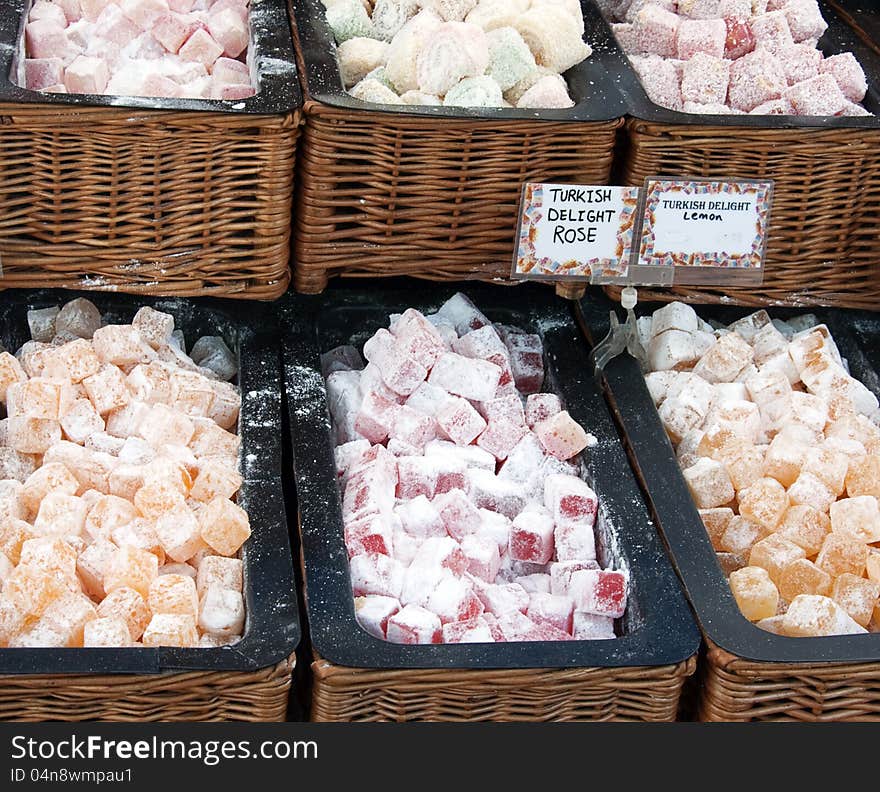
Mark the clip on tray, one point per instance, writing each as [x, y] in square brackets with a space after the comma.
[657, 627]
[674, 509]
[270, 57]
[838, 38]
[272, 629]
[591, 83]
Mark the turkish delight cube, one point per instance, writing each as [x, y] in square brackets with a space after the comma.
[848, 74]
[806, 527]
[803, 577]
[170, 629]
[526, 361]
[475, 630]
[591, 627]
[705, 36]
[657, 31]
[221, 611]
[416, 476]
[755, 78]
[554, 609]
[460, 421]
[467, 377]
[459, 514]
[219, 571]
[804, 19]
[739, 536]
[817, 96]
[754, 592]
[413, 624]
[111, 631]
[764, 503]
[863, 477]
[483, 557]
[774, 553]
[540, 407]
[412, 427]
[535, 582]
[418, 338]
[858, 517]
[709, 484]
[61, 515]
[812, 615]
[672, 349]
[399, 371]
[372, 534]
[129, 605]
[107, 389]
[453, 599]
[32, 435]
[502, 599]
[133, 568]
[67, 616]
[857, 596]
[809, 490]
[91, 565]
[173, 594]
[373, 611]
[376, 573]
[704, 80]
[463, 314]
[561, 436]
[223, 525]
[842, 553]
[201, 47]
[602, 592]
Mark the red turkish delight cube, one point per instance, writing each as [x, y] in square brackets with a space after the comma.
[419, 517]
[418, 338]
[441, 553]
[376, 573]
[488, 491]
[817, 96]
[483, 556]
[561, 572]
[501, 599]
[371, 534]
[591, 627]
[414, 625]
[373, 611]
[600, 592]
[531, 538]
[462, 314]
[554, 609]
[411, 427]
[470, 378]
[460, 421]
[416, 476]
[570, 499]
[475, 630]
[454, 600]
[848, 74]
[459, 514]
[400, 372]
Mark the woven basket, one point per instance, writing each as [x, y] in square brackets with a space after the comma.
[186, 696]
[146, 201]
[572, 694]
[381, 194]
[734, 689]
[825, 222]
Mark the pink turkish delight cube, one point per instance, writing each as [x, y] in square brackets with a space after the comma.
[40, 73]
[454, 600]
[755, 78]
[201, 48]
[171, 30]
[701, 35]
[113, 27]
[771, 31]
[657, 31]
[416, 476]
[399, 371]
[376, 573]
[540, 407]
[375, 417]
[495, 527]
[144, 13]
[526, 361]
[561, 572]
[227, 71]
[463, 314]
[804, 19]
[414, 625]
[483, 557]
[467, 377]
[531, 538]
[660, 79]
[574, 541]
[570, 499]
[73, 11]
[418, 338]
[42, 9]
[848, 74]
[818, 96]
[45, 38]
[592, 627]
[369, 535]
[501, 599]
[800, 62]
[705, 79]
[475, 630]
[486, 344]
[553, 609]
[420, 517]
[441, 553]
[600, 592]
[412, 427]
[371, 490]
[460, 421]
[561, 436]
[229, 31]
[460, 516]
[373, 611]
[488, 491]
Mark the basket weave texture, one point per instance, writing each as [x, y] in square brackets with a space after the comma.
[149, 202]
[735, 689]
[384, 194]
[823, 246]
[574, 694]
[253, 696]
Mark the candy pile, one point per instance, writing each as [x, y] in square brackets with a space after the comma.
[171, 48]
[780, 448]
[464, 520]
[463, 53]
[118, 469]
[737, 56]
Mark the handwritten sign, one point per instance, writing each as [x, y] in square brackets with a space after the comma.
[702, 231]
[574, 231]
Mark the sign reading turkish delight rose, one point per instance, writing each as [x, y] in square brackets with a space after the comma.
[702, 232]
[575, 232]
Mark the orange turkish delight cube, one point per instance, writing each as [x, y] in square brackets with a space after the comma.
[764, 503]
[108, 513]
[10, 373]
[841, 553]
[806, 527]
[68, 615]
[224, 526]
[107, 389]
[863, 477]
[215, 480]
[110, 631]
[131, 567]
[179, 533]
[774, 553]
[803, 577]
[32, 435]
[129, 605]
[754, 592]
[857, 596]
[174, 594]
[171, 629]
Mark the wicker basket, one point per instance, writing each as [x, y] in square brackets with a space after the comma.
[825, 222]
[186, 696]
[734, 689]
[568, 694]
[430, 192]
[146, 201]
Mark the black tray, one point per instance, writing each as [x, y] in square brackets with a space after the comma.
[592, 84]
[692, 553]
[863, 16]
[838, 38]
[272, 61]
[658, 627]
[272, 628]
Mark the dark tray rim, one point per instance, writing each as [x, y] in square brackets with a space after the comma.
[272, 628]
[270, 38]
[324, 82]
[676, 514]
[838, 38]
[668, 634]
